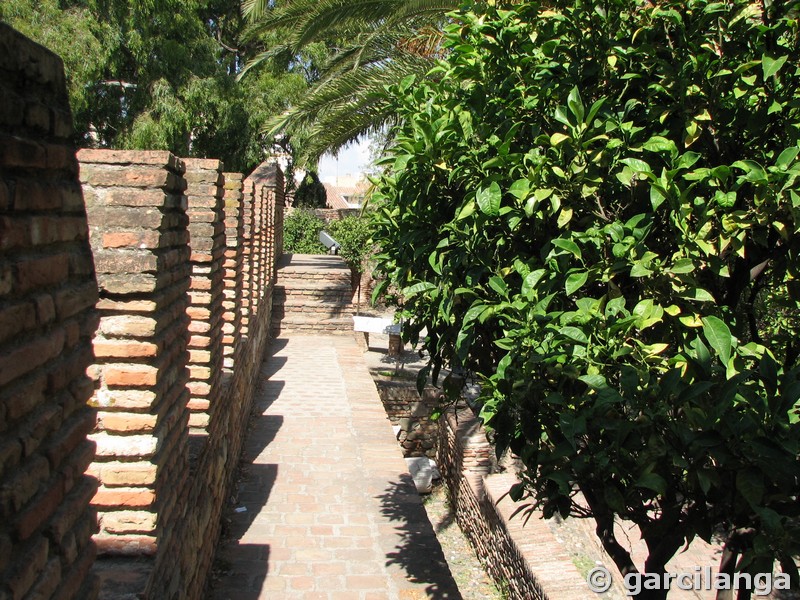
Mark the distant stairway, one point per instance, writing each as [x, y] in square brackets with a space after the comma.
[313, 294]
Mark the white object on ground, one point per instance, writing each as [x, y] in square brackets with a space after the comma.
[424, 471]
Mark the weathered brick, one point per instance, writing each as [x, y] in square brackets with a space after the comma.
[155, 158]
[128, 521]
[38, 510]
[128, 326]
[71, 510]
[25, 399]
[129, 261]
[29, 565]
[38, 272]
[129, 446]
[48, 581]
[128, 177]
[18, 491]
[78, 581]
[136, 474]
[120, 497]
[10, 455]
[124, 399]
[15, 318]
[74, 299]
[125, 422]
[37, 116]
[115, 348]
[73, 432]
[125, 217]
[29, 355]
[130, 375]
[12, 107]
[17, 152]
[126, 545]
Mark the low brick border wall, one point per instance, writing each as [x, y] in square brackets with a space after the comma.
[406, 409]
[523, 557]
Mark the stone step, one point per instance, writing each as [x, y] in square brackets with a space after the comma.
[281, 311]
[295, 323]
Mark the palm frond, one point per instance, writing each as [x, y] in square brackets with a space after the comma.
[344, 108]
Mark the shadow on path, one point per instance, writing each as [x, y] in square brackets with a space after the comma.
[417, 553]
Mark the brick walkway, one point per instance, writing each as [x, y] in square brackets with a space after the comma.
[331, 510]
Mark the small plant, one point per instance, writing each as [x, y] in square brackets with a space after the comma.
[353, 233]
[301, 233]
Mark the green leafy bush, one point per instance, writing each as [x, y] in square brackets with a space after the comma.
[585, 208]
[301, 233]
[353, 234]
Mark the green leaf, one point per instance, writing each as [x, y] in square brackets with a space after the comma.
[557, 138]
[466, 211]
[576, 282]
[638, 165]
[417, 288]
[575, 334]
[750, 484]
[772, 65]
[682, 265]
[498, 285]
[687, 160]
[652, 481]
[660, 144]
[698, 294]
[575, 104]
[725, 199]
[718, 336]
[787, 157]
[488, 199]
[531, 280]
[567, 245]
[520, 189]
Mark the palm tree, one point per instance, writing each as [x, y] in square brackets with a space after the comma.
[373, 43]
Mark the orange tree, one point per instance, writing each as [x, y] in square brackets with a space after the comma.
[594, 208]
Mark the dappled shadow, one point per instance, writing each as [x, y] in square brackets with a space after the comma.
[241, 568]
[416, 550]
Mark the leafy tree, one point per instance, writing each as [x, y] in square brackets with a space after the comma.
[371, 45]
[162, 75]
[311, 192]
[586, 210]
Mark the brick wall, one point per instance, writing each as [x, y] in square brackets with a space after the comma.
[248, 285]
[232, 308]
[182, 567]
[208, 242]
[138, 230]
[412, 413]
[47, 320]
[521, 554]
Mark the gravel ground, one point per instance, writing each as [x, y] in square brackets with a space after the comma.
[472, 580]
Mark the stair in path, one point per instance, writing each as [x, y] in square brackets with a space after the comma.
[313, 294]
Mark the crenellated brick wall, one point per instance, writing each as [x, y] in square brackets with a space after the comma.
[232, 308]
[205, 193]
[138, 229]
[247, 229]
[47, 320]
[172, 259]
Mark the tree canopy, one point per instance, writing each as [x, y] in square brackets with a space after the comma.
[162, 75]
[370, 45]
[594, 208]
